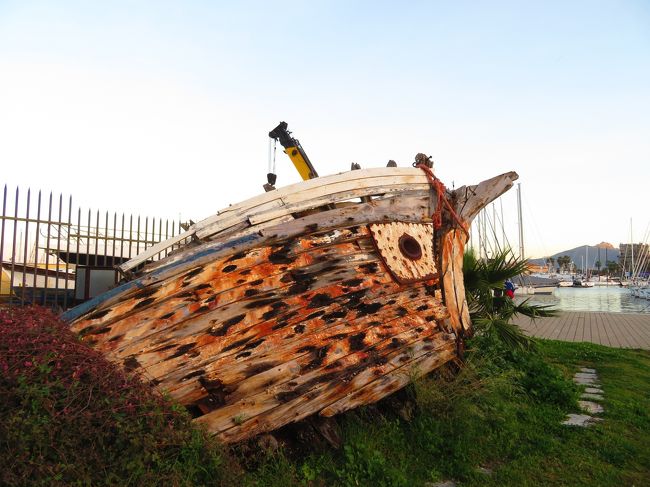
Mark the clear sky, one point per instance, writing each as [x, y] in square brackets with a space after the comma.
[163, 108]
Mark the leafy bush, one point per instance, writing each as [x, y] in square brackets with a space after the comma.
[68, 416]
[546, 383]
[528, 370]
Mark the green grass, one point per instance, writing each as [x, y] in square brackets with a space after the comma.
[503, 412]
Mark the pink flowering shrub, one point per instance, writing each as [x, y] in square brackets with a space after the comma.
[68, 416]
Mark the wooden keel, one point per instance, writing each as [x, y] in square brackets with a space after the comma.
[453, 248]
[468, 201]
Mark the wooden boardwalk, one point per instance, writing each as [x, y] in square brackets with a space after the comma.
[619, 330]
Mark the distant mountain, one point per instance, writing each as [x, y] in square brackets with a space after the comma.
[605, 245]
[603, 252]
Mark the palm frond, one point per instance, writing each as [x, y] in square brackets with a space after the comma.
[504, 265]
[508, 333]
[491, 311]
[535, 310]
[471, 270]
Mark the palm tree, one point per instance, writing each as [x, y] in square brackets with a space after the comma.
[564, 262]
[612, 267]
[490, 310]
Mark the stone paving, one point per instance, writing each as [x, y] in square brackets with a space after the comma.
[592, 393]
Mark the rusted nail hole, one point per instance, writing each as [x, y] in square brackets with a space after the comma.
[410, 247]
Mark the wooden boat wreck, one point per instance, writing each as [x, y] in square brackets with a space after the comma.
[310, 299]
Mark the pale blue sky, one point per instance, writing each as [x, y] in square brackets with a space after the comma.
[169, 103]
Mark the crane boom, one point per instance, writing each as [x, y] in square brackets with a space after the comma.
[294, 150]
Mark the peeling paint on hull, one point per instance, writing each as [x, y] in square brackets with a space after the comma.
[314, 315]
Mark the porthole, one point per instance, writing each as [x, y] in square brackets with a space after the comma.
[410, 247]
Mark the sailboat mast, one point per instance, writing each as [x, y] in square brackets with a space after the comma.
[632, 247]
[521, 228]
[503, 226]
[497, 247]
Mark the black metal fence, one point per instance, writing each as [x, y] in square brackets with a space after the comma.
[57, 256]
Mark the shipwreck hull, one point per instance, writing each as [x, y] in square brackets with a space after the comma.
[297, 302]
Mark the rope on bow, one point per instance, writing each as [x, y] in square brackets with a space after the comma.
[441, 191]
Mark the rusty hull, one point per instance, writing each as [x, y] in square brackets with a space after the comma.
[319, 322]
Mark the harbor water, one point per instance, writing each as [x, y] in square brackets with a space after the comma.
[611, 299]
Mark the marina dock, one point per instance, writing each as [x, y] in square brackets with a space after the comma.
[620, 330]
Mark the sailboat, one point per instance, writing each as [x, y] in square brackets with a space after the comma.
[528, 285]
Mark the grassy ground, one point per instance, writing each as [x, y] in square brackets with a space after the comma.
[68, 417]
[502, 413]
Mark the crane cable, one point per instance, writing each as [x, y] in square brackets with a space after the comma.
[271, 164]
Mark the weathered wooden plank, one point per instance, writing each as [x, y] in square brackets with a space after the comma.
[469, 200]
[155, 250]
[306, 186]
[168, 296]
[291, 330]
[408, 209]
[315, 386]
[353, 189]
[184, 316]
[237, 271]
[320, 197]
[393, 380]
[249, 266]
[413, 210]
[343, 192]
[277, 413]
[320, 335]
[232, 323]
[288, 376]
[564, 333]
[630, 330]
[265, 204]
[453, 246]
[300, 243]
[316, 197]
[363, 334]
[250, 228]
[627, 333]
[333, 361]
[352, 305]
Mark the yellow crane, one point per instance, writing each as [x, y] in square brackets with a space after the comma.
[295, 152]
